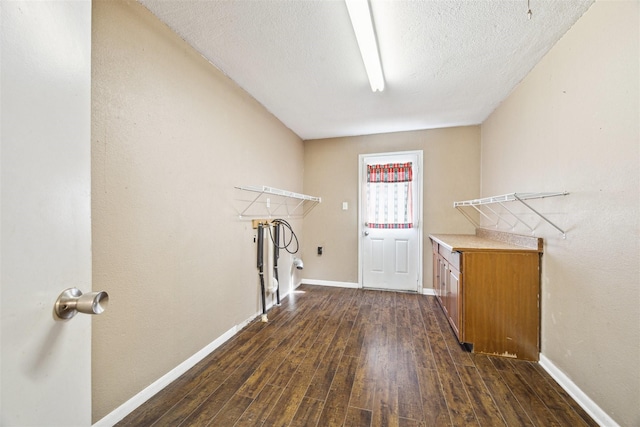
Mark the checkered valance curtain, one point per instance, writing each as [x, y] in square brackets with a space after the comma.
[389, 198]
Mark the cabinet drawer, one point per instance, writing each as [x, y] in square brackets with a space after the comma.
[452, 257]
[454, 260]
[444, 251]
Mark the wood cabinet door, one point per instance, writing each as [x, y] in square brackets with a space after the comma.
[436, 271]
[454, 300]
[443, 288]
[501, 291]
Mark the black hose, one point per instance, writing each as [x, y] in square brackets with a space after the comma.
[279, 222]
[261, 267]
[276, 255]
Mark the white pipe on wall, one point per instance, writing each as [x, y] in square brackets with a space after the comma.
[271, 283]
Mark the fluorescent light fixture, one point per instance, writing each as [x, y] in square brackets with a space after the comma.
[360, 15]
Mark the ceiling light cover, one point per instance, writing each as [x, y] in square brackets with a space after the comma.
[362, 23]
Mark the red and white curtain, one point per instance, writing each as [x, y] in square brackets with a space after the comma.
[389, 198]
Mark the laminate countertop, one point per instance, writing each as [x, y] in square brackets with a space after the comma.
[472, 242]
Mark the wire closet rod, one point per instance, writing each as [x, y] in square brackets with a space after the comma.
[284, 196]
[510, 197]
[278, 192]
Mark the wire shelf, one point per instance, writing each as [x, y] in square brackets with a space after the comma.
[504, 198]
[273, 202]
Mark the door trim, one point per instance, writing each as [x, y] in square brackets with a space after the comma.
[417, 203]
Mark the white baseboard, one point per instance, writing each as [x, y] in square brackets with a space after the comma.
[425, 291]
[598, 415]
[330, 283]
[130, 405]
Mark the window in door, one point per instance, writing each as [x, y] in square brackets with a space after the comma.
[389, 195]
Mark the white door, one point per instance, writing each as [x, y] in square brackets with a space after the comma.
[390, 221]
[45, 97]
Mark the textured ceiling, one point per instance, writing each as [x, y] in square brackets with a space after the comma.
[446, 63]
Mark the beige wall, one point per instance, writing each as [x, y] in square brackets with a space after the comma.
[572, 125]
[451, 172]
[171, 137]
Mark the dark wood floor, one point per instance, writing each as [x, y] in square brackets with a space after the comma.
[352, 357]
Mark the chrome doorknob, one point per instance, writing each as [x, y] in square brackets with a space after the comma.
[366, 233]
[72, 301]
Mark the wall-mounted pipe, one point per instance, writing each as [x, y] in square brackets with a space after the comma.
[276, 255]
[260, 264]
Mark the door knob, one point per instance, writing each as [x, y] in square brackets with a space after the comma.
[366, 233]
[71, 301]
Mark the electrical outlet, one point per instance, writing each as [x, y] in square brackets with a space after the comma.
[319, 250]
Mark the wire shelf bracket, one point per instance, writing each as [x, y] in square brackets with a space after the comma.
[501, 200]
[276, 202]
